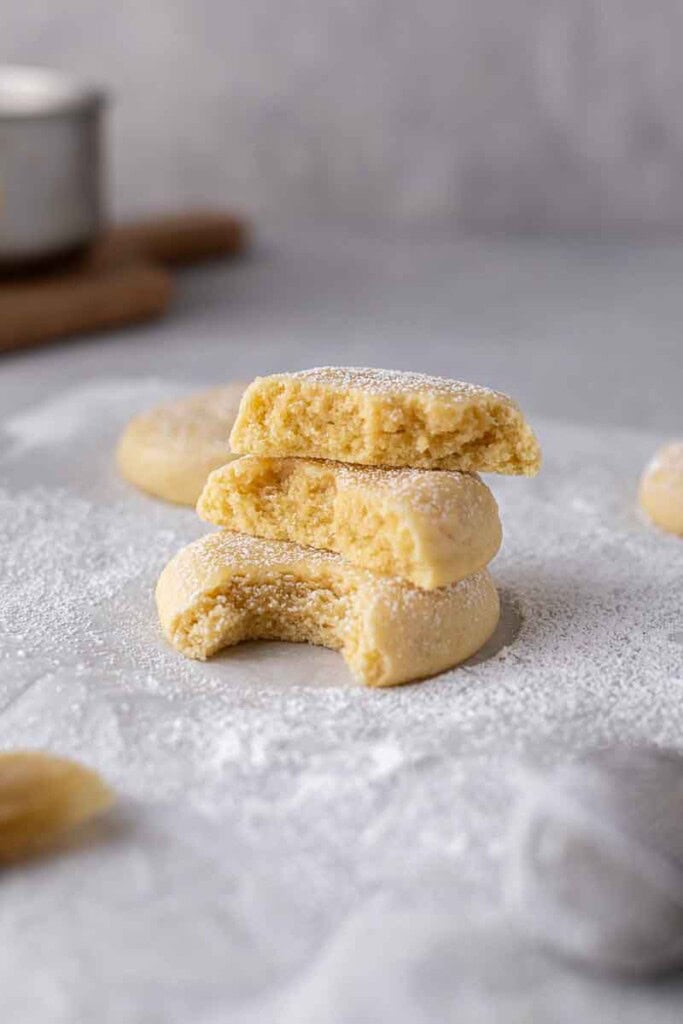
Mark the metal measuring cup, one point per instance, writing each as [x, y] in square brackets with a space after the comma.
[50, 166]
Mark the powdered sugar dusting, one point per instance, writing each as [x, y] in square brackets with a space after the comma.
[266, 798]
[61, 418]
[439, 490]
[390, 382]
[267, 560]
[442, 493]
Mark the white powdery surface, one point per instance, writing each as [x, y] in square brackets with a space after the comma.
[289, 846]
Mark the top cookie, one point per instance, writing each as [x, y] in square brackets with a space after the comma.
[385, 418]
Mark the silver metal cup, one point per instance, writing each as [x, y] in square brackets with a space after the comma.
[50, 166]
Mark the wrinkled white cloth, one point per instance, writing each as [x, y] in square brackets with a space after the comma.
[596, 867]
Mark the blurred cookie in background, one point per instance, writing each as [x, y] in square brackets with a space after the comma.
[170, 450]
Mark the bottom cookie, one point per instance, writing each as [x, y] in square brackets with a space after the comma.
[228, 587]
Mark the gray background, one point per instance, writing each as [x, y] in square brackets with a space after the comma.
[527, 115]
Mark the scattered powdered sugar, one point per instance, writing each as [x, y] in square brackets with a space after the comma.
[265, 797]
[62, 418]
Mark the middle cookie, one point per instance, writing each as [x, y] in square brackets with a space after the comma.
[432, 527]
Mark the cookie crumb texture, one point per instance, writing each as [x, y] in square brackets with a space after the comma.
[42, 797]
[432, 528]
[170, 450]
[385, 418]
[661, 488]
[228, 587]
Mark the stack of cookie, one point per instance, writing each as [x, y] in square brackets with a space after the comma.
[354, 519]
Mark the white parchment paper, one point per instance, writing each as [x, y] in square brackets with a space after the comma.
[289, 847]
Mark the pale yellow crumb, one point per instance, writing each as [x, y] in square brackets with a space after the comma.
[385, 418]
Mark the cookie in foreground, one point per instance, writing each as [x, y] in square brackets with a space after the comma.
[228, 587]
[43, 797]
[385, 418]
[429, 527]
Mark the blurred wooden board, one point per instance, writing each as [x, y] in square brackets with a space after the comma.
[123, 280]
